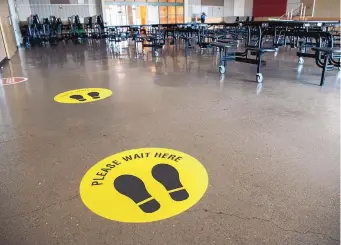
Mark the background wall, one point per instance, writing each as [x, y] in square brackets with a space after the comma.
[44, 8]
[6, 30]
[293, 4]
[243, 7]
[239, 8]
[229, 8]
[269, 7]
[213, 9]
[325, 8]
[217, 11]
[248, 8]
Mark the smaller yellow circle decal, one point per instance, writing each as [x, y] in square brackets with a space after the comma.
[83, 95]
[143, 185]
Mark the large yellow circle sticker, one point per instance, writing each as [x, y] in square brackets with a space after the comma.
[144, 185]
[83, 95]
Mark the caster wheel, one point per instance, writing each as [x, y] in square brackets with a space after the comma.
[222, 69]
[300, 60]
[259, 77]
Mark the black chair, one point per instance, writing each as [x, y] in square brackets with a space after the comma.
[327, 58]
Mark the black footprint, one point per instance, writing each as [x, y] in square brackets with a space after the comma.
[168, 176]
[77, 97]
[94, 95]
[134, 188]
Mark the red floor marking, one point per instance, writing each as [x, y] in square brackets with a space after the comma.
[12, 80]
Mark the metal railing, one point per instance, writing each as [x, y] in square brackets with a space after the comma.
[300, 10]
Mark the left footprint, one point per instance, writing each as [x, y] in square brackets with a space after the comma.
[77, 97]
[134, 188]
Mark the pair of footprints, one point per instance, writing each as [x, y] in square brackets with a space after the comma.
[94, 95]
[134, 188]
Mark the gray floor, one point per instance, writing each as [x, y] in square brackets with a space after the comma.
[271, 151]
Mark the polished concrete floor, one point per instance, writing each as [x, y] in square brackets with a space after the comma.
[272, 151]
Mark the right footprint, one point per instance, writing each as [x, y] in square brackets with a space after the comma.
[169, 177]
[94, 95]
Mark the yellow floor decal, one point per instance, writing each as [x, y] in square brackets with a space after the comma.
[83, 95]
[144, 185]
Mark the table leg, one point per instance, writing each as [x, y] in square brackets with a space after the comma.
[326, 58]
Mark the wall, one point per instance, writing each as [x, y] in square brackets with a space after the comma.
[239, 8]
[214, 11]
[226, 11]
[248, 8]
[15, 21]
[243, 7]
[4, 13]
[228, 8]
[23, 9]
[324, 9]
[44, 8]
[6, 29]
[212, 2]
[293, 4]
[329, 9]
[269, 7]
[3, 54]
